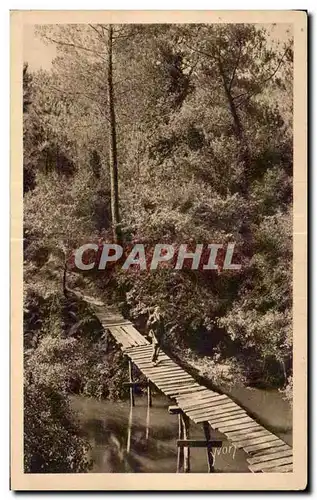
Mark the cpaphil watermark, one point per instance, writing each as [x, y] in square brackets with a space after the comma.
[204, 257]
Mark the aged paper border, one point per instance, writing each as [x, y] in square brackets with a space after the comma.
[159, 481]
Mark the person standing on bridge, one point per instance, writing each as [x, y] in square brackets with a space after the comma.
[156, 332]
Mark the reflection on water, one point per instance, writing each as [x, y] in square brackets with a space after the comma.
[144, 440]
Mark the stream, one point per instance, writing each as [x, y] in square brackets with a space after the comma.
[138, 440]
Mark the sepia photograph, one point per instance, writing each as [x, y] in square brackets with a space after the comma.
[158, 225]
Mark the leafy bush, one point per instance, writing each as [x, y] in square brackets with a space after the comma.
[52, 442]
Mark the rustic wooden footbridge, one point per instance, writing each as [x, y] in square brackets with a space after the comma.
[192, 401]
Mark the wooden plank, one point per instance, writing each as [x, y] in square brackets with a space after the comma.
[121, 342]
[173, 394]
[272, 463]
[208, 392]
[143, 356]
[200, 407]
[139, 354]
[229, 415]
[199, 443]
[130, 337]
[233, 427]
[246, 435]
[214, 409]
[191, 388]
[252, 441]
[237, 420]
[141, 349]
[175, 377]
[274, 449]
[109, 324]
[205, 398]
[209, 403]
[219, 419]
[172, 385]
[174, 410]
[168, 374]
[129, 328]
[144, 348]
[110, 321]
[270, 456]
[148, 365]
[175, 387]
[135, 333]
[236, 433]
[281, 468]
[136, 338]
[210, 415]
[118, 334]
[261, 446]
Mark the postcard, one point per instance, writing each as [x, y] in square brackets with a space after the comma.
[158, 250]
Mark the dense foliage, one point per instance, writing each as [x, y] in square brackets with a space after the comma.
[204, 149]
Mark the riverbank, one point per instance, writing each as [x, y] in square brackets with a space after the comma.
[267, 406]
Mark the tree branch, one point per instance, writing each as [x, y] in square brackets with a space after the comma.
[73, 45]
[101, 36]
[250, 94]
[90, 97]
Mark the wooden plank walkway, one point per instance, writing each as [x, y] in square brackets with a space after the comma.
[266, 452]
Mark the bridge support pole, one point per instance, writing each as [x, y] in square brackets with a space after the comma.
[184, 443]
[180, 449]
[131, 381]
[149, 394]
[210, 458]
[185, 420]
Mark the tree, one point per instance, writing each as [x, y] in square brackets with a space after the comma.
[52, 443]
[197, 118]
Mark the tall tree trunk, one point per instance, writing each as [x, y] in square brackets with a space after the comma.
[113, 145]
[244, 157]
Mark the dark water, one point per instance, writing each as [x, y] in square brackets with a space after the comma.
[142, 441]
